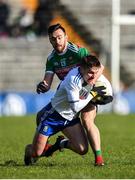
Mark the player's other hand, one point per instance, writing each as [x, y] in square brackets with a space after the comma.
[42, 87]
[100, 91]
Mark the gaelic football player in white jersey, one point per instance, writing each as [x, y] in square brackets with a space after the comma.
[64, 56]
[62, 113]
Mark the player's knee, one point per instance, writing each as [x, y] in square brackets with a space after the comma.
[83, 150]
[38, 153]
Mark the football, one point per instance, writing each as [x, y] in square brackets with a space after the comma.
[108, 96]
[107, 85]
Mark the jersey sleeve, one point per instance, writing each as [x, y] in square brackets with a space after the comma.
[83, 52]
[73, 93]
[72, 90]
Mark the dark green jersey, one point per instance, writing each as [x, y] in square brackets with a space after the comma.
[62, 63]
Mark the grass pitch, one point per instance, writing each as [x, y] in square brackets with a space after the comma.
[118, 146]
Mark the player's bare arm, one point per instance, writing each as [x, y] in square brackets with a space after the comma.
[45, 85]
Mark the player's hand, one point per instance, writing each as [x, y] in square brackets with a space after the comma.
[98, 91]
[102, 100]
[42, 87]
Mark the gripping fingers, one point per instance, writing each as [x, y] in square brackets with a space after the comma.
[99, 88]
[41, 88]
[98, 91]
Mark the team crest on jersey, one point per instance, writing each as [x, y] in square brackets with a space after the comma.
[63, 62]
[56, 63]
[83, 94]
[70, 58]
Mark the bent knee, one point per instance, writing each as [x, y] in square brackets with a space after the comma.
[37, 152]
[83, 150]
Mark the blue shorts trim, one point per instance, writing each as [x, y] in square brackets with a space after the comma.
[52, 122]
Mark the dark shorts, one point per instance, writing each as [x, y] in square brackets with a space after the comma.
[52, 122]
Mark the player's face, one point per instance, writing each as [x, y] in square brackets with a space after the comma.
[89, 74]
[58, 40]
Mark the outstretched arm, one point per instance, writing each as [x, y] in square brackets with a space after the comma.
[45, 85]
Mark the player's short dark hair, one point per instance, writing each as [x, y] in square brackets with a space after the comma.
[55, 27]
[90, 61]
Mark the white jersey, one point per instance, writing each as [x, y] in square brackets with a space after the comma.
[72, 96]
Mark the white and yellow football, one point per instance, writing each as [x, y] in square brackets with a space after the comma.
[108, 96]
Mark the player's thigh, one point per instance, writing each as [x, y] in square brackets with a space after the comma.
[88, 114]
[90, 107]
[76, 134]
[39, 142]
[39, 115]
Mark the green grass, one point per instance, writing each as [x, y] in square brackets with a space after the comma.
[118, 146]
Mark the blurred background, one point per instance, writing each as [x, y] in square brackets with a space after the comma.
[105, 27]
